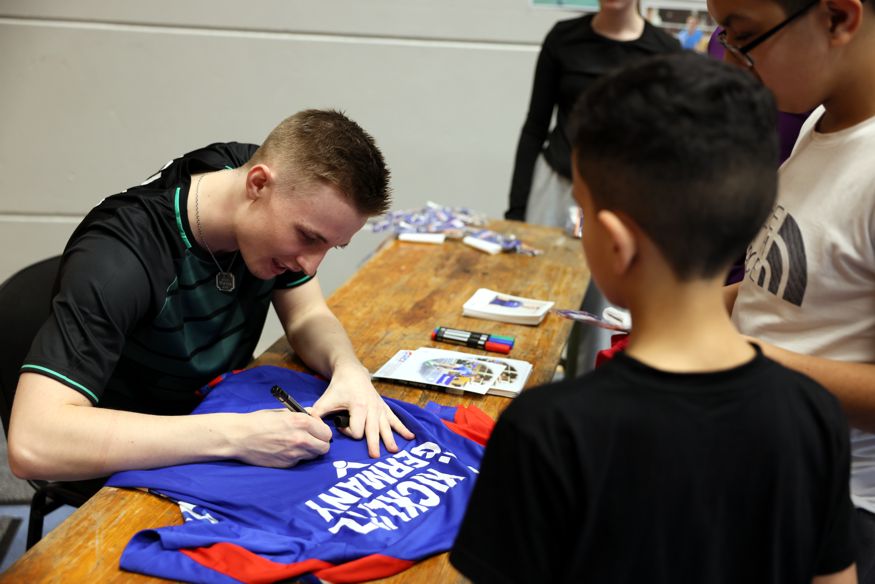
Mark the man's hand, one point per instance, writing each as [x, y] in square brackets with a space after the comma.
[318, 338]
[280, 438]
[369, 416]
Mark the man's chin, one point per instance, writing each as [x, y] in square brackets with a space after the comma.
[264, 272]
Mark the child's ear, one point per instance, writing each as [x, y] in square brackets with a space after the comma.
[845, 17]
[622, 241]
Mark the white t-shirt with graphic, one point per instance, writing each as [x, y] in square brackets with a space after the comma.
[809, 282]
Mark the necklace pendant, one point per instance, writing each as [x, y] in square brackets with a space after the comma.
[225, 282]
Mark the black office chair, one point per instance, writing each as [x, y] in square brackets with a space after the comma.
[25, 300]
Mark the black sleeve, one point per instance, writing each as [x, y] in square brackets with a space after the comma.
[104, 291]
[837, 546]
[512, 528]
[545, 90]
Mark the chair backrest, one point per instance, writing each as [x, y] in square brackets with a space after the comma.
[25, 302]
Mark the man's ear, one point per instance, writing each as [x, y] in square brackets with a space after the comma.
[845, 18]
[258, 178]
[622, 241]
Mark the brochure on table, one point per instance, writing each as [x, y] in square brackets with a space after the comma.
[456, 371]
[492, 305]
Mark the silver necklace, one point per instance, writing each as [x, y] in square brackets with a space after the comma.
[225, 281]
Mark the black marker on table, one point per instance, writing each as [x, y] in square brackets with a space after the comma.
[341, 419]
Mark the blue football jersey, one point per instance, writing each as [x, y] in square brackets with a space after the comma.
[343, 517]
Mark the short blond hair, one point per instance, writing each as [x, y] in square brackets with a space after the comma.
[325, 145]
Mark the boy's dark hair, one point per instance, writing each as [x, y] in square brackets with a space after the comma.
[325, 145]
[687, 147]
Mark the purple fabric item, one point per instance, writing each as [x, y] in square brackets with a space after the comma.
[715, 49]
[788, 130]
[736, 272]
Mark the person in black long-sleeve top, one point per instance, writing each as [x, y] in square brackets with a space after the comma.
[575, 53]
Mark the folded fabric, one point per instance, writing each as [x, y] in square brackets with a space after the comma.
[343, 517]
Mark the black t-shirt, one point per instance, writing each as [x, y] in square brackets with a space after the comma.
[631, 474]
[572, 57]
[138, 322]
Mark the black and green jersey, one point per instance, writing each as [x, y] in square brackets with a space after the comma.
[137, 322]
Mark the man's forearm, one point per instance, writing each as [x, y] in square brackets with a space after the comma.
[322, 343]
[69, 439]
[56, 434]
[314, 332]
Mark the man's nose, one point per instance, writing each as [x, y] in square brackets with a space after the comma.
[310, 261]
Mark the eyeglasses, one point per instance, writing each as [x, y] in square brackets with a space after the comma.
[741, 53]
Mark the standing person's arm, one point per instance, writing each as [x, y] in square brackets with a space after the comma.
[846, 576]
[852, 383]
[545, 91]
[319, 339]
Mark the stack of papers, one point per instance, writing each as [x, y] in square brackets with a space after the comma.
[456, 372]
[493, 305]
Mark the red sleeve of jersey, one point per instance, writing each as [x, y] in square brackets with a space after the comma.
[472, 423]
[367, 568]
[243, 565]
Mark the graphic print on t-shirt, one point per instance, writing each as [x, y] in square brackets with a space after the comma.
[776, 259]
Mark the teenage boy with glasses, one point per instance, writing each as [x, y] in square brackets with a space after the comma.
[808, 295]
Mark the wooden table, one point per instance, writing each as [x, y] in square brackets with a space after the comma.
[393, 302]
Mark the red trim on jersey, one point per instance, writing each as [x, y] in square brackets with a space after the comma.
[216, 381]
[239, 563]
[472, 423]
[367, 568]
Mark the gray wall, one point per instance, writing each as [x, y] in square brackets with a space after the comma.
[98, 94]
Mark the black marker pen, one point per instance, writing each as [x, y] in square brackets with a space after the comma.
[287, 400]
[341, 419]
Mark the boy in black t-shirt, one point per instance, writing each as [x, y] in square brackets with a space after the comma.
[690, 457]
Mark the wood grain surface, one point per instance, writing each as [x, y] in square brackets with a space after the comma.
[393, 302]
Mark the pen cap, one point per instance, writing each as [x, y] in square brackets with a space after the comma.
[497, 347]
[504, 340]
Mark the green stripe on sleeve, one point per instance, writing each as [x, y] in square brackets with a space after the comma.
[66, 379]
[299, 281]
[179, 219]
